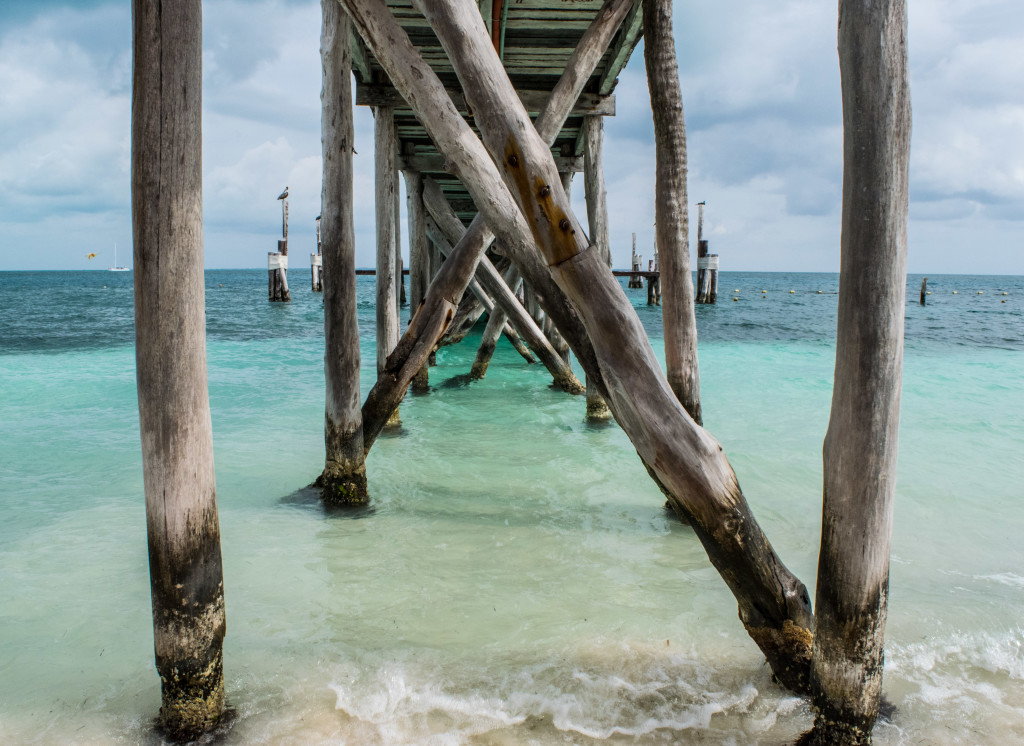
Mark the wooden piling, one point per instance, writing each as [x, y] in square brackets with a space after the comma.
[186, 578]
[860, 450]
[343, 480]
[672, 227]
[597, 220]
[635, 281]
[385, 201]
[924, 289]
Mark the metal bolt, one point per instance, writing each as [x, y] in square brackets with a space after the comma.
[513, 160]
[545, 191]
[564, 224]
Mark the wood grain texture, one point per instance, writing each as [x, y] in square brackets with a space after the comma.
[861, 443]
[670, 208]
[343, 480]
[186, 578]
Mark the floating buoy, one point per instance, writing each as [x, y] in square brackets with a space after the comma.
[221, 285]
[929, 292]
[1002, 301]
[736, 290]
[981, 292]
[819, 292]
[735, 298]
[954, 292]
[1005, 293]
[791, 292]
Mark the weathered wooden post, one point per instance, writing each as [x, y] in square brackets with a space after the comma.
[672, 221]
[924, 289]
[399, 266]
[385, 201]
[343, 481]
[635, 281]
[597, 220]
[277, 262]
[861, 443]
[186, 578]
[316, 261]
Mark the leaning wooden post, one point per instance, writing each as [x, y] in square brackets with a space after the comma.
[387, 284]
[186, 578]
[924, 289]
[597, 219]
[672, 230]
[861, 443]
[343, 480]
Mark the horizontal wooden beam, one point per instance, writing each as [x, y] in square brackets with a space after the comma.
[588, 104]
[629, 36]
[435, 164]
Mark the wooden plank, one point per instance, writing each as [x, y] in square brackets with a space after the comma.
[588, 104]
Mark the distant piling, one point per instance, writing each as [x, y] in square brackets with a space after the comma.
[924, 289]
[635, 281]
[316, 262]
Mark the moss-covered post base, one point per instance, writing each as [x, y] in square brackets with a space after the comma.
[421, 381]
[192, 700]
[569, 384]
[788, 651]
[394, 420]
[597, 408]
[838, 729]
[343, 487]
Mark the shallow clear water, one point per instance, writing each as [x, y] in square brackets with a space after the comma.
[517, 579]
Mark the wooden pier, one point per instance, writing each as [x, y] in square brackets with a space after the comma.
[489, 108]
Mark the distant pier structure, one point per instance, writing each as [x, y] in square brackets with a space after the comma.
[277, 261]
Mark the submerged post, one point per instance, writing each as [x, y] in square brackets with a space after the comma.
[186, 578]
[343, 480]
[861, 442]
[924, 289]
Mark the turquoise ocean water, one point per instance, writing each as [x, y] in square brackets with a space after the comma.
[517, 580]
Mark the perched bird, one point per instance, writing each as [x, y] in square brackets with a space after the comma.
[284, 194]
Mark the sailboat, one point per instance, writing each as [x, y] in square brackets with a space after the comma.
[115, 268]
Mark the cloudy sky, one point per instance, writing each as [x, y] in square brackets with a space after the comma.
[760, 84]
